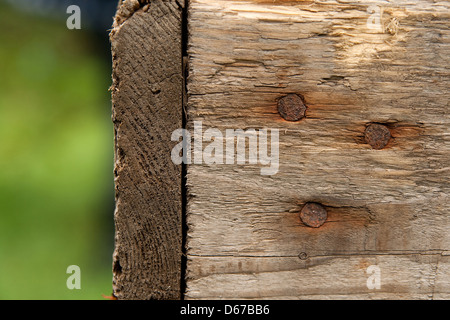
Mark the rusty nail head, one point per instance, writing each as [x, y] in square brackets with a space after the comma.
[377, 135]
[313, 214]
[291, 107]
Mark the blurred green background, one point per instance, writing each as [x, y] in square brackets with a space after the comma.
[56, 155]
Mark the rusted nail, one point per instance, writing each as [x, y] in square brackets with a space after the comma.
[303, 255]
[313, 214]
[377, 135]
[292, 107]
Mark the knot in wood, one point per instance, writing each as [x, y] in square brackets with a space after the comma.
[377, 135]
[291, 107]
[313, 214]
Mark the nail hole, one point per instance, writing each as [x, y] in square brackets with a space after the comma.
[303, 255]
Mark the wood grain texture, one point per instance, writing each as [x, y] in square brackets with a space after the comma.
[386, 207]
[147, 107]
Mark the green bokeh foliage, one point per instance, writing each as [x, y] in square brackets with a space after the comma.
[56, 155]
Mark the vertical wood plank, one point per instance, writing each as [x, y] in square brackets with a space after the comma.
[147, 107]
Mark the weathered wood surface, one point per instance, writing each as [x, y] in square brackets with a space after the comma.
[386, 207]
[147, 107]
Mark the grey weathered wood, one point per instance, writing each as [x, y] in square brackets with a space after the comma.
[386, 207]
[147, 107]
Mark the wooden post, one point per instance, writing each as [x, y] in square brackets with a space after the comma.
[147, 107]
[352, 97]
